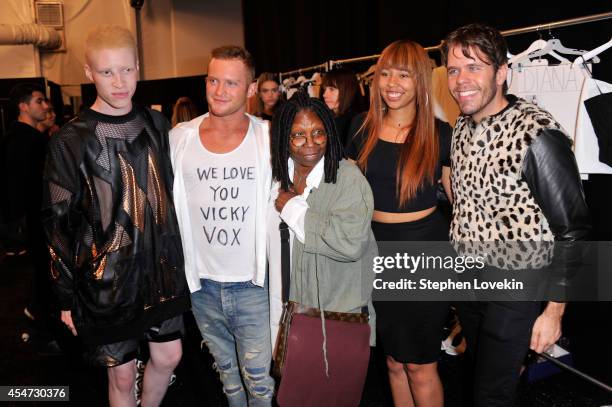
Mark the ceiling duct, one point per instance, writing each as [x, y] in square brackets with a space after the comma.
[43, 37]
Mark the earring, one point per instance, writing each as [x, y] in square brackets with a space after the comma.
[426, 99]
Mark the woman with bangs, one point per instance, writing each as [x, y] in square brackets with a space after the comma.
[403, 150]
[340, 89]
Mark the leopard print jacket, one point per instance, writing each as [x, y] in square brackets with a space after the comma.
[493, 205]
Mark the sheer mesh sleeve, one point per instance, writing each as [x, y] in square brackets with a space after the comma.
[61, 185]
[162, 125]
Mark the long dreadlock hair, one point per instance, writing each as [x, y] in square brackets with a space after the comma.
[281, 129]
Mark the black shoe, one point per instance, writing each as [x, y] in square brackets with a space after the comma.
[50, 348]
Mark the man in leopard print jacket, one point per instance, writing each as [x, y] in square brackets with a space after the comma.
[514, 178]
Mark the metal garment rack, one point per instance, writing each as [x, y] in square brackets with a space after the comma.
[370, 57]
[324, 65]
[516, 31]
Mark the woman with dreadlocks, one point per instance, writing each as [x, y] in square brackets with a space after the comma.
[404, 152]
[327, 204]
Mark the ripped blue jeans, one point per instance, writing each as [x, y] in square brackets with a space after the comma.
[235, 324]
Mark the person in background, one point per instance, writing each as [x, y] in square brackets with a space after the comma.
[183, 110]
[48, 126]
[22, 158]
[268, 95]
[404, 152]
[340, 91]
[22, 153]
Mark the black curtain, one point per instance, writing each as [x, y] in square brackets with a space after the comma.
[284, 36]
[162, 92]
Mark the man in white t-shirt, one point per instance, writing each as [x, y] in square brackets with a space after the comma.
[222, 183]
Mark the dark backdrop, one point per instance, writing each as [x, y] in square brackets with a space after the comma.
[162, 92]
[287, 35]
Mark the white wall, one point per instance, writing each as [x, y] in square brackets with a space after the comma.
[177, 37]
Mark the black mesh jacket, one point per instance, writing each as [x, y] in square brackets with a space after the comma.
[113, 237]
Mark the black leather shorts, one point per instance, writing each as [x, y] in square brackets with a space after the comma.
[118, 353]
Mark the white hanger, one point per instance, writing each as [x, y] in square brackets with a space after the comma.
[553, 45]
[592, 54]
[535, 46]
[288, 82]
[547, 48]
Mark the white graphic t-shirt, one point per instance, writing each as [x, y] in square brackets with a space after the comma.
[220, 191]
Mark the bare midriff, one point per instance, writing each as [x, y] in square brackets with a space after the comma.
[392, 217]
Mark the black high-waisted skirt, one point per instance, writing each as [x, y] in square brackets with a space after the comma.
[411, 332]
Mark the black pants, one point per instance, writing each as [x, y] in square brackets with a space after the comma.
[43, 303]
[498, 336]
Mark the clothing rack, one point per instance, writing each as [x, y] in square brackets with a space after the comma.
[507, 33]
[369, 57]
[300, 71]
[558, 24]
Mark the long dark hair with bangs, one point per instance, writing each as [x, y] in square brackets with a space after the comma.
[418, 155]
[281, 129]
[346, 83]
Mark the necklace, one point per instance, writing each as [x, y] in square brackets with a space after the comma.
[299, 178]
[397, 131]
[402, 134]
[398, 123]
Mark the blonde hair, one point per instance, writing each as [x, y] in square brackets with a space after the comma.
[109, 36]
[235, 52]
[183, 111]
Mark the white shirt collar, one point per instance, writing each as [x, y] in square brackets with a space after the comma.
[316, 174]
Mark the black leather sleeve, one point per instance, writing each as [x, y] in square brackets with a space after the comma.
[551, 172]
[62, 186]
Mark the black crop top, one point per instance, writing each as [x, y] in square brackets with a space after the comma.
[382, 168]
